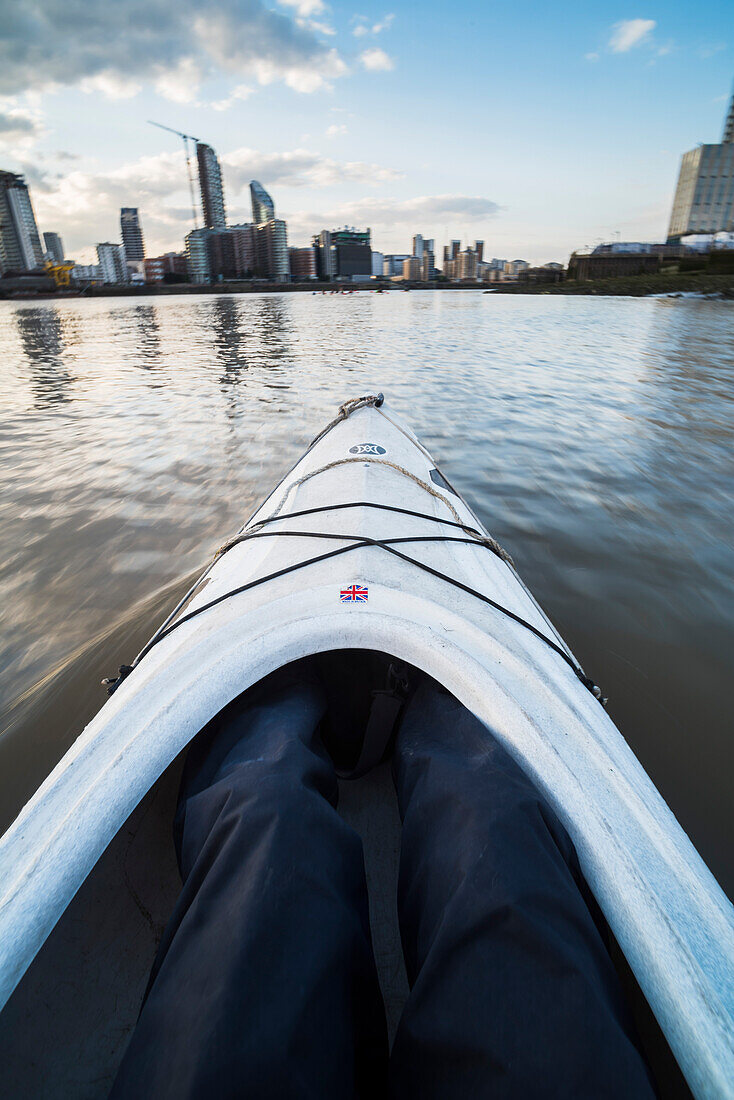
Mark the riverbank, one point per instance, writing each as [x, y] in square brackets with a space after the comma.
[638, 286]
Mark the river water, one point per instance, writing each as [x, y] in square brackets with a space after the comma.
[594, 436]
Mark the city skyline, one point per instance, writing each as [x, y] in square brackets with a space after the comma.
[535, 137]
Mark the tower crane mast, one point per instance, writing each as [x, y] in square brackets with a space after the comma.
[186, 139]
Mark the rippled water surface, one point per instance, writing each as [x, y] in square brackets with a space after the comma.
[595, 437]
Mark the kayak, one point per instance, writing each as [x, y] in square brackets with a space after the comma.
[366, 546]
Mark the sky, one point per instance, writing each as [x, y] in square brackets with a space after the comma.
[536, 127]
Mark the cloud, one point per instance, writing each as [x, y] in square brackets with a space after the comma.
[305, 8]
[336, 130]
[376, 60]
[113, 47]
[19, 126]
[630, 33]
[242, 91]
[710, 49]
[364, 27]
[181, 82]
[110, 84]
[396, 220]
[299, 168]
[591, 56]
[85, 205]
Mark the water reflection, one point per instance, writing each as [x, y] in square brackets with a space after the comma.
[148, 338]
[42, 338]
[593, 436]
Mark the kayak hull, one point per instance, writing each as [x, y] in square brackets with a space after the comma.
[668, 914]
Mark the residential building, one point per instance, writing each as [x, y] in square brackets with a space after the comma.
[112, 263]
[221, 252]
[86, 273]
[378, 260]
[418, 246]
[479, 251]
[324, 259]
[428, 270]
[412, 269]
[244, 240]
[466, 265]
[212, 189]
[170, 267]
[54, 248]
[392, 266]
[704, 195]
[272, 251]
[303, 263]
[583, 267]
[515, 267]
[132, 234]
[263, 207]
[20, 245]
[351, 253]
[197, 255]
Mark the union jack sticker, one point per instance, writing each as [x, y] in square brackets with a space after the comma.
[355, 593]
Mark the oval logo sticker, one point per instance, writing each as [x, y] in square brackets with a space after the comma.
[367, 449]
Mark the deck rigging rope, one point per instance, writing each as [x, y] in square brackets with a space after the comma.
[479, 538]
[389, 545]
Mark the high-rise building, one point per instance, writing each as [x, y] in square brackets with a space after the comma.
[272, 251]
[212, 189]
[479, 249]
[412, 269]
[197, 255]
[418, 246]
[352, 253]
[132, 234]
[54, 247]
[263, 207]
[428, 270]
[378, 260]
[392, 265]
[170, 267]
[244, 239]
[112, 263]
[704, 196]
[221, 251]
[324, 259]
[303, 263]
[20, 245]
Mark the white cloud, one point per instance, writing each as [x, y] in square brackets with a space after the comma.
[384, 24]
[299, 168]
[114, 48]
[301, 78]
[376, 60]
[364, 27]
[396, 220]
[336, 130]
[242, 91]
[305, 8]
[111, 85]
[629, 33]
[21, 125]
[84, 204]
[317, 26]
[591, 56]
[180, 83]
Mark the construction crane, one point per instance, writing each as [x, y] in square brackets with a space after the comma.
[186, 139]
